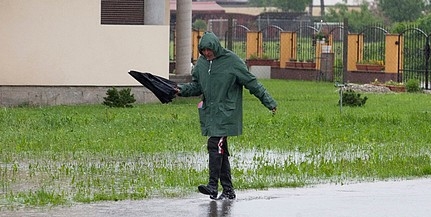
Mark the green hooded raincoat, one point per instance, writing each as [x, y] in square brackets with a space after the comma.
[221, 82]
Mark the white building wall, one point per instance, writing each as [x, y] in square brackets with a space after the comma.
[62, 42]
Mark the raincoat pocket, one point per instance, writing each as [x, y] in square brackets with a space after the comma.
[228, 108]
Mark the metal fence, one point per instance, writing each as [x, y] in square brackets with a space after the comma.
[414, 46]
[416, 57]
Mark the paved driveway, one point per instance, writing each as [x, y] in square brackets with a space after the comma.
[407, 198]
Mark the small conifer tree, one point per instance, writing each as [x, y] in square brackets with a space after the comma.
[121, 99]
[353, 99]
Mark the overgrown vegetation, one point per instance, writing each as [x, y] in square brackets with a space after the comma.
[413, 85]
[121, 99]
[67, 154]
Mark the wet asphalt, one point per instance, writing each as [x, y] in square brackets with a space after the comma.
[403, 198]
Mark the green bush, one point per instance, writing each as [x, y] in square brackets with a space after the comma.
[122, 98]
[412, 86]
[353, 99]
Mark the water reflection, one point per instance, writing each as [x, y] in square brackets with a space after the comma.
[220, 208]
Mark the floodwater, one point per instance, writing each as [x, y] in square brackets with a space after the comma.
[383, 198]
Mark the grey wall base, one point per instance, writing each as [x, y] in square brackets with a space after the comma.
[180, 78]
[64, 95]
[261, 72]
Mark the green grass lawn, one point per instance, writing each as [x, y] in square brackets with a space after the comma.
[65, 154]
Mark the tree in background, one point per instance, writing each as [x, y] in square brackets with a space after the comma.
[423, 23]
[200, 25]
[402, 10]
[358, 19]
[404, 14]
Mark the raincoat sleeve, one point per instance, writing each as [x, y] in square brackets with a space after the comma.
[250, 82]
[192, 88]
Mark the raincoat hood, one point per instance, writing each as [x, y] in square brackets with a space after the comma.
[210, 41]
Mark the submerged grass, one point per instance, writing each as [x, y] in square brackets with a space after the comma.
[65, 154]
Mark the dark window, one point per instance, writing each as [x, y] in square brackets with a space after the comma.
[122, 12]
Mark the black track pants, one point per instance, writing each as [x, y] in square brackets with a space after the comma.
[219, 166]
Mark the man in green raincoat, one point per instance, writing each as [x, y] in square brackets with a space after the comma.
[219, 77]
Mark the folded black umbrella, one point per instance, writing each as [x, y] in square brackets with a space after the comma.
[163, 88]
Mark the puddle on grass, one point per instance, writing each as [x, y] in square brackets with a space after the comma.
[245, 159]
[81, 172]
[26, 173]
[252, 159]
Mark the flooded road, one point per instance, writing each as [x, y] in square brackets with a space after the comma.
[383, 198]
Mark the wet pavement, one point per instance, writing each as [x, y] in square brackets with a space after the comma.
[383, 198]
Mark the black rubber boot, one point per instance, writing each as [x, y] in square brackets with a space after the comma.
[227, 195]
[214, 166]
[204, 189]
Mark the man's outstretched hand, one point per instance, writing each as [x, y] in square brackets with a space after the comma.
[274, 110]
[177, 91]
